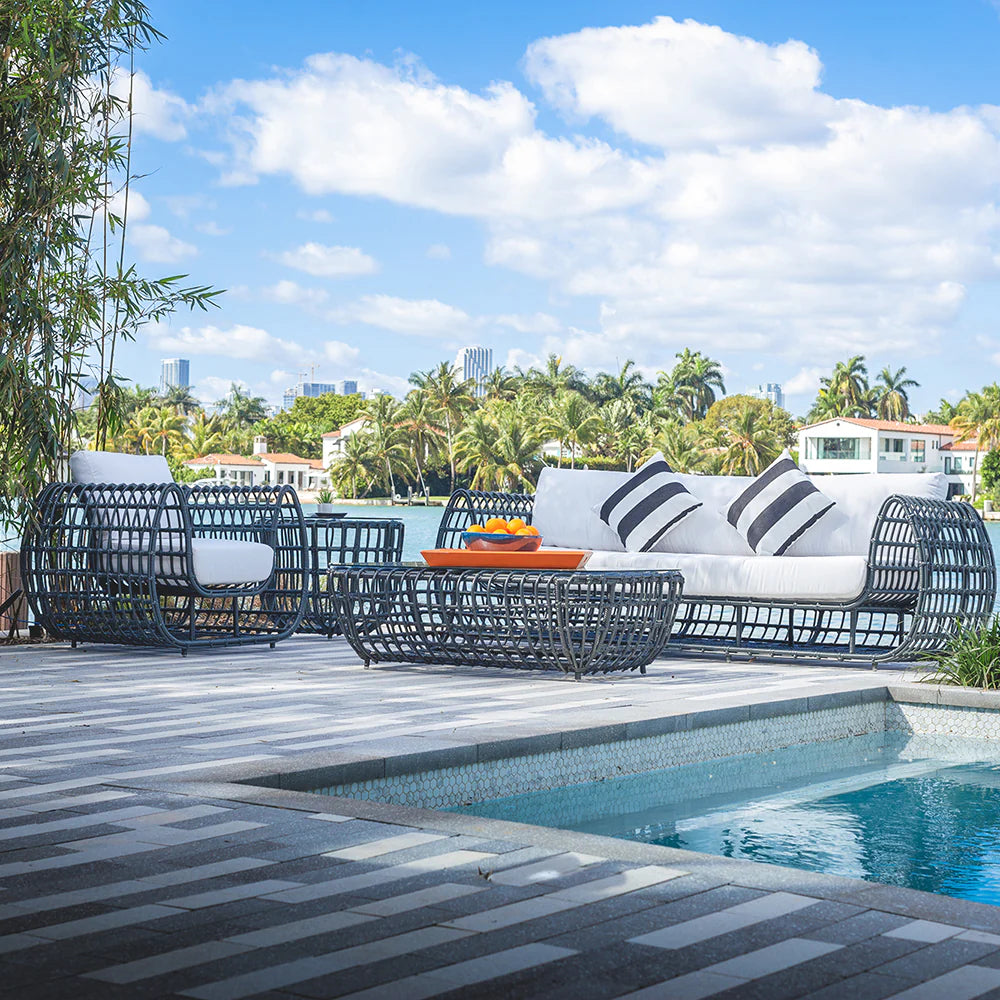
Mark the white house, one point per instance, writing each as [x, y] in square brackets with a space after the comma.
[334, 441]
[856, 444]
[264, 468]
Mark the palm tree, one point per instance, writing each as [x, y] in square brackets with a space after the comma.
[692, 384]
[501, 384]
[205, 435]
[574, 422]
[978, 419]
[628, 386]
[180, 399]
[850, 382]
[159, 428]
[387, 441]
[500, 445]
[452, 397]
[356, 462]
[553, 378]
[420, 422]
[893, 401]
[682, 445]
[751, 444]
[239, 410]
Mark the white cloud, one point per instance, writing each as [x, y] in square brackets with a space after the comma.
[805, 382]
[212, 228]
[534, 323]
[212, 388]
[186, 205]
[426, 317]
[760, 214]
[329, 262]
[156, 112]
[339, 353]
[154, 243]
[245, 343]
[292, 293]
[316, 215]
[439, 251]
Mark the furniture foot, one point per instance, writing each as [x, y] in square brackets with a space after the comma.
[368, 663]
[271, 645]
[642, 670]
[72, 644]
[576, 674]
[184, 652]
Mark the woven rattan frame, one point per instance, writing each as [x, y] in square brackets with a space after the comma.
[351, 541]
[111, 563]
[577, 622]
[930, 567]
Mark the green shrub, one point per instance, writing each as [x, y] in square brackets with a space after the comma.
[972, 658]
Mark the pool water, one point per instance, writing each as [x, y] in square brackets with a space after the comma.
[913, 811]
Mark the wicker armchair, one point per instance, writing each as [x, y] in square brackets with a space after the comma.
[165, 564]
[931, 568]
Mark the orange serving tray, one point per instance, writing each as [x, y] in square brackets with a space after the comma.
[542, 559]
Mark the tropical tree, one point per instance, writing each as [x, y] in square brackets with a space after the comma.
[239, 410]
[501, 384]
[69, 296]
[573, 422]
[553, 378]
[159, 429]
[692, 384]
[943, 414]
[628, 385]
[387, 443]
[452, 397]
[893, 403]
[684, 446]
[751, 444]
[420, 423]
[500, 445]
[623, 436]
[204, 435]
[180, 398]
[978, 419]
[357, 462]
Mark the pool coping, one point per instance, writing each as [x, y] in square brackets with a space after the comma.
[281, 783]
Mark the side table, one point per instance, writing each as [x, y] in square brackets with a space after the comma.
[344, 541]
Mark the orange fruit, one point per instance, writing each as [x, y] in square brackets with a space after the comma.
[514, 525]
[500, 531]
[495, 524]
[475, 527]
[531, 529]
[525, 531]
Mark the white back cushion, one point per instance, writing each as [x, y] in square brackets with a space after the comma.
[847, 529]
[112, 467]
[564, 517]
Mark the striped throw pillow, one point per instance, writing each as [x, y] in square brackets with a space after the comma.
[777, 507]
[647, 506]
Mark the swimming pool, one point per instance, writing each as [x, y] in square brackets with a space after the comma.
[916, 811]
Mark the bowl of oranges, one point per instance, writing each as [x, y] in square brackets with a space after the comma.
[500, 535]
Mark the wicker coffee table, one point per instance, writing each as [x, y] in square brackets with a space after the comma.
[575, 621]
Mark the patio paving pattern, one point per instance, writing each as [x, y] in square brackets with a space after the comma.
[131, 866]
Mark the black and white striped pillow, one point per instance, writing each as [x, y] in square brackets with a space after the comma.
[647, 506]
[777, 507]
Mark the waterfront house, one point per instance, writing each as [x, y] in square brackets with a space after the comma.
[264, 468]
[858, 444]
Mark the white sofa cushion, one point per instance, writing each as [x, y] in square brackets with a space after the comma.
[810, 578]
[847, 529]
[565, 517]
[650, 503]
[778, 506]
[113, 467]
[215, 562]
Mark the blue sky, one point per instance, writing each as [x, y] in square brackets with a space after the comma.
[376, 185]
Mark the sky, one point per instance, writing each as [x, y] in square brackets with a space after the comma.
[376, 185]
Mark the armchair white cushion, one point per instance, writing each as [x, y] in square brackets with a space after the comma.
[113, 467]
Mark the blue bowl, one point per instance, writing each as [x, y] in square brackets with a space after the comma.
[484, 541]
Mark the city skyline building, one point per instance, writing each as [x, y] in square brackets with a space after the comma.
[175, 373]
[312, 389]
[346, 387]
[771, 391]
[476, 365]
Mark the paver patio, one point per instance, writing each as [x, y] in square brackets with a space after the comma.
[133, 867]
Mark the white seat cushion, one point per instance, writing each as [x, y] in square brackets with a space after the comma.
[775, 578]
[113, 467]
[221, 561]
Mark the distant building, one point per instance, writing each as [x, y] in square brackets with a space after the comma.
[858, 444]
[263, 468]
[334, 442]
[476, 365]
[345, 387]
[771, 391]
[175, 373]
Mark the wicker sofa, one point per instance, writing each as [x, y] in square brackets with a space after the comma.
[894, 571]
